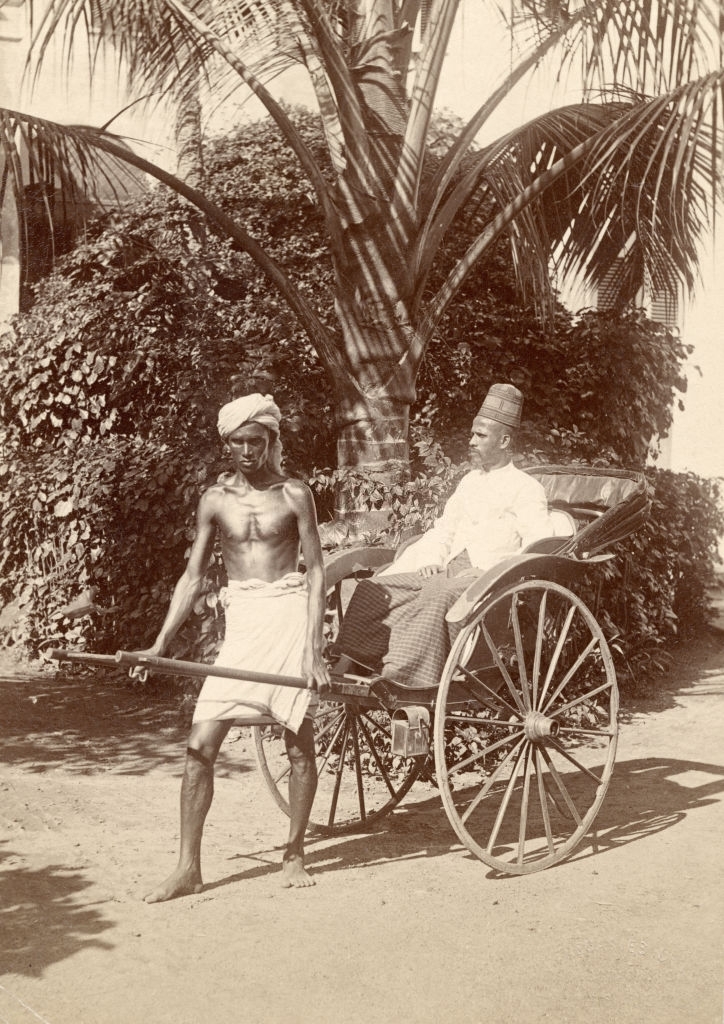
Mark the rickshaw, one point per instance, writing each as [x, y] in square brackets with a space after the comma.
[520, 735]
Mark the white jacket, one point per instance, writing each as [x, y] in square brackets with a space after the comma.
[492, 514]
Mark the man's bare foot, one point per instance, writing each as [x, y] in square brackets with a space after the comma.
[180, 883]
[293, 874]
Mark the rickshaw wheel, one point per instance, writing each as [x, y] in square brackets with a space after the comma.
[359, 780]
[526, 727]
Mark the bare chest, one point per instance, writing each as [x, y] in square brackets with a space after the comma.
[256, 517]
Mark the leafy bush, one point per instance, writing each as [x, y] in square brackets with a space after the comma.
[114, 377]
[406, 505]
[656, 590]
[112, 384]
[672, 559]
[579, 403]
[101, 516]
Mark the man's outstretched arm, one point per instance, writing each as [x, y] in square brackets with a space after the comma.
[188, 587]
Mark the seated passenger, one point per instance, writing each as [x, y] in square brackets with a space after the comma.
[395, 623]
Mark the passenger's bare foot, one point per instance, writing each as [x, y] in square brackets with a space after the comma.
[341, 665]
[180, 883]
[293, 874]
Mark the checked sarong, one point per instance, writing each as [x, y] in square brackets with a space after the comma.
[396, 625]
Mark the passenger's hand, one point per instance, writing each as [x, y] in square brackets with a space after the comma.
[315, 671]
[429, 570]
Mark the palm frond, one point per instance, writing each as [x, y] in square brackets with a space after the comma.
[660, 43]
[173, 46]
[90, 166]
[37, 151]
[436, 37]
[650, 46]
[625, 183]
[534, 146]
[159, 49]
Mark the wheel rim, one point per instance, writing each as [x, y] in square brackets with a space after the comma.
[526, 727]
[359, 780]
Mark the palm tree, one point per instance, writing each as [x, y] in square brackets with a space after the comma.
[626, 177]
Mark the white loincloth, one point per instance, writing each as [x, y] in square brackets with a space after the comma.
[266, 630]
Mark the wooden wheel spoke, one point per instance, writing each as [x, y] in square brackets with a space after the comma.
[561, 788]
[487, 723]
[573, 730]
[377, 758]
[505, 802]
[524, 804]
[323, 759]
[358, 769]
[580, 699]
[543, 796]
[506, 706]
[338, 779]
[571, 671]
[553, 664]
[485, 701]
[376, 725]
[330, 725]
[539, 646]
[491, 780]
[520, 654]
[282, 774]
[574, 761]
[503, 670]
[460, 765]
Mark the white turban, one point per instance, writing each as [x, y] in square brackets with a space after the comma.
[254, 408]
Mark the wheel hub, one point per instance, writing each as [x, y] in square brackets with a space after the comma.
[538, 726]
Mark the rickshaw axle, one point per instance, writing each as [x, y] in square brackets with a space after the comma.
[538, 726]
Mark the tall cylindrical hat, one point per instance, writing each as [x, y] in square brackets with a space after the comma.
[503, 403]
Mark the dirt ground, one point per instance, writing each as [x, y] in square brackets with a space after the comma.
[403, 924]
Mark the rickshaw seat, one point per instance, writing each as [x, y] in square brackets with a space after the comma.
[564, 525]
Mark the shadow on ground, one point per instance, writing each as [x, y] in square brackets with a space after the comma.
[42, 923]
[91, 724]
[44, 920]
[695, 666]
[646, 796]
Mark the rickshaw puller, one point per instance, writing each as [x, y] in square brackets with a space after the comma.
[274, 619]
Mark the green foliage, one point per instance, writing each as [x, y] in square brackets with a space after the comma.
[115, 374]
[655, 591]
[672, 558]
[579, 403]
[112, 384]
[407, 504]
[103, 515]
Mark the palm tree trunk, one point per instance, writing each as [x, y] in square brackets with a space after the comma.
[9, 259]
[188, 139]
[373, 433]
[372, 405]
[372, 439]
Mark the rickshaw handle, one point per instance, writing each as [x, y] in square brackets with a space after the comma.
[172, 665]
